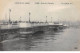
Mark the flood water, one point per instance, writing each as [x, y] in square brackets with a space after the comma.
[63, 40]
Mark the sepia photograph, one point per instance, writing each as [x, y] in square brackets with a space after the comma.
[39, 25]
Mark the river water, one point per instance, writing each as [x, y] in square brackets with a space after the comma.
[63, 40]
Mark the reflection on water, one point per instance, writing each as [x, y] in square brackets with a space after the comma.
[1, 47]
[60, 40]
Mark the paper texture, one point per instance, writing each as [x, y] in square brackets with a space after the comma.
[40, 15]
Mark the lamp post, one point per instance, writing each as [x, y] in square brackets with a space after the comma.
[46, 19]
[29, 16]
[9, 15]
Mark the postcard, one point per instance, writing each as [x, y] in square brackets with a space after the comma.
[39, 25]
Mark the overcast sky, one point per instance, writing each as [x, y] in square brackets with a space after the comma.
[39, 12]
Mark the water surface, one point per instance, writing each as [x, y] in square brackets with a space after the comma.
[63, 40]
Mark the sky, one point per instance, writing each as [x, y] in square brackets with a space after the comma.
[58, 11]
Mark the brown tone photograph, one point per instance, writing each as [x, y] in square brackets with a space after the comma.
[39, 25]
